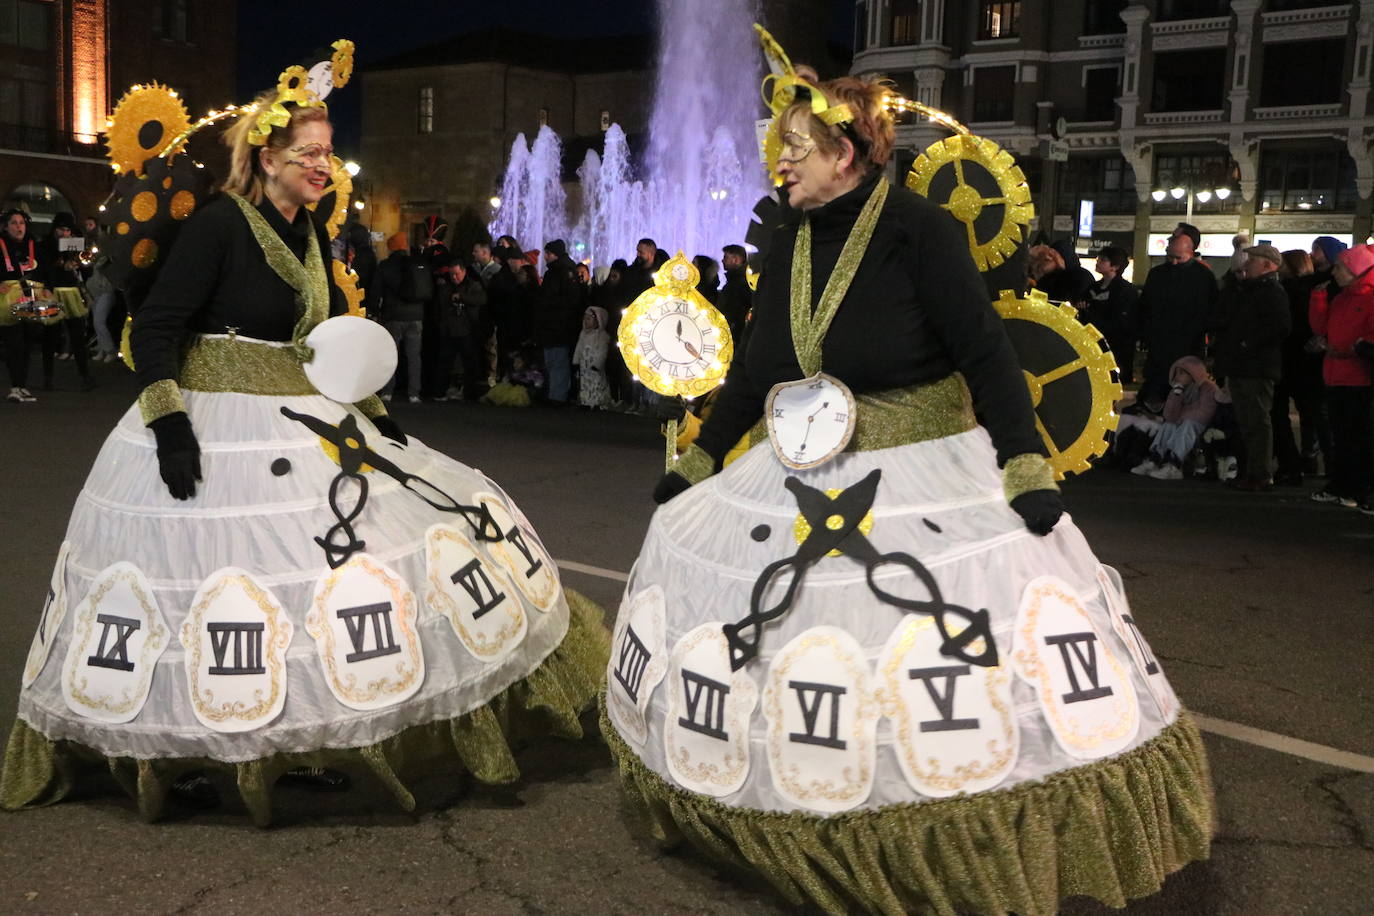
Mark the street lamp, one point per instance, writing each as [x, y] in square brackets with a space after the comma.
[352, 168]
[495, 202]
[1179, 192]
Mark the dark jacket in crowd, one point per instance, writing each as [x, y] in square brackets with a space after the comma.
[1250, 324]
[364, 264]
[558, 316]
[1070, 284]
[1175, 305]
[736, 298]
[639, 276]
[394, 284]
[1112, 310]
[1301, 367]
[461, 305]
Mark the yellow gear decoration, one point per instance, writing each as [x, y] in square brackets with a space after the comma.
[685, 371]
[341, 62]
[341, 186]
[965, 203]
[347, 282]
[128, 127]
[1074, 441]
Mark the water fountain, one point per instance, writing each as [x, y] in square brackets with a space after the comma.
[700, 176]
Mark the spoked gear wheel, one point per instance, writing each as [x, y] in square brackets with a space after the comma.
[334, 202]
[1071, 375]
[991, 199]
[144, 122]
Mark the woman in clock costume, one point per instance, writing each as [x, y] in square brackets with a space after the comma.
[260, 581]
[896, 679]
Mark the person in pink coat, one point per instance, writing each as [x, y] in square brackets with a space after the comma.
[1345, 317]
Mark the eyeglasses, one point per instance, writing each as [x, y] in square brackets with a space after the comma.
[311, 154]
[796, 146]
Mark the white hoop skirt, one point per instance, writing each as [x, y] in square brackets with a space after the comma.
[222, 630]
[852, 762]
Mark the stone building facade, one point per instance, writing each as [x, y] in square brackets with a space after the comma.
[1238, 115]
[438, 122]
[67, 62]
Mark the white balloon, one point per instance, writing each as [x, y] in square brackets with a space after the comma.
[353, 358]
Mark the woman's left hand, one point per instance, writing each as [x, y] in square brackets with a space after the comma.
[1039, 509]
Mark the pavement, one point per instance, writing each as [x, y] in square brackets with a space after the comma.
[1260, 607]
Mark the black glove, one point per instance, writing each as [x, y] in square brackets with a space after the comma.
[1039, 509]
[178, 454]
[387, 427]
[670, 485]
[1365, 349]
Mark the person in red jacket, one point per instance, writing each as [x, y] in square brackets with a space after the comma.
[1346, 320]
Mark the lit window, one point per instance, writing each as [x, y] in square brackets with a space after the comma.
[1000, 19]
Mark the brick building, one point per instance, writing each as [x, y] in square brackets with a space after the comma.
[67, 62]
[1240, 115]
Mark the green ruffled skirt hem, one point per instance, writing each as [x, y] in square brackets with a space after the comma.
[38, 771]
[1112, 829]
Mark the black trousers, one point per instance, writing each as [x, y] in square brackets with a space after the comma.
[1351, 472]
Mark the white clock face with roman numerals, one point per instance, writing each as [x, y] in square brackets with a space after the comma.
[810, 421]
[679, 340]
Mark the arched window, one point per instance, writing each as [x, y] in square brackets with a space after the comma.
[42, 201]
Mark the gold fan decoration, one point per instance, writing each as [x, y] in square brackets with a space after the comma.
[337, 192]
[347, 282]
[1071, 375]
[144, 122]
[966, 203]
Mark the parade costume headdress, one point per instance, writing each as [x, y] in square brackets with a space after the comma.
[159, 187]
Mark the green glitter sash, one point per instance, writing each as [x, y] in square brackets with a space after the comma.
[808, 328]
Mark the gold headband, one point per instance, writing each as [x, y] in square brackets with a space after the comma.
[293, 89]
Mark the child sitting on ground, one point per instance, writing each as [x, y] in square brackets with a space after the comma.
[516, 388]
[1191, 404]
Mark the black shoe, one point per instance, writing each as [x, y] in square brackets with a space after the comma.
[317, 779]
[195, 790]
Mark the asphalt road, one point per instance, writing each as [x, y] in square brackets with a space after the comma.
[1261, 608]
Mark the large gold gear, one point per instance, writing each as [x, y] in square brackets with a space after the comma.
[341, 187]
[1071, 375]
[965, 203]
[131, 137]
[347, 282]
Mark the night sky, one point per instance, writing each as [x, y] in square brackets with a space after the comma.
[273, 35]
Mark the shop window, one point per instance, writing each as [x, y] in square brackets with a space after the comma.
[1102, 17]
[993, 91]
[1189, 80]
[1296, 181]
[999, 20]
[1303, 73]
[1107, 181]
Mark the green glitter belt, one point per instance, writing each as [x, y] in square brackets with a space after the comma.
[901, 416]
[243, 365]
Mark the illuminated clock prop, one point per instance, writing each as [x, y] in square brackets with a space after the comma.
[673, 340]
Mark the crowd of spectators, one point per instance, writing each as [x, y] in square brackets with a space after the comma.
[1280, 331]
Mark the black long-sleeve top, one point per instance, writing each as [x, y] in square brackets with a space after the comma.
[916, 311]
[217, 278]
